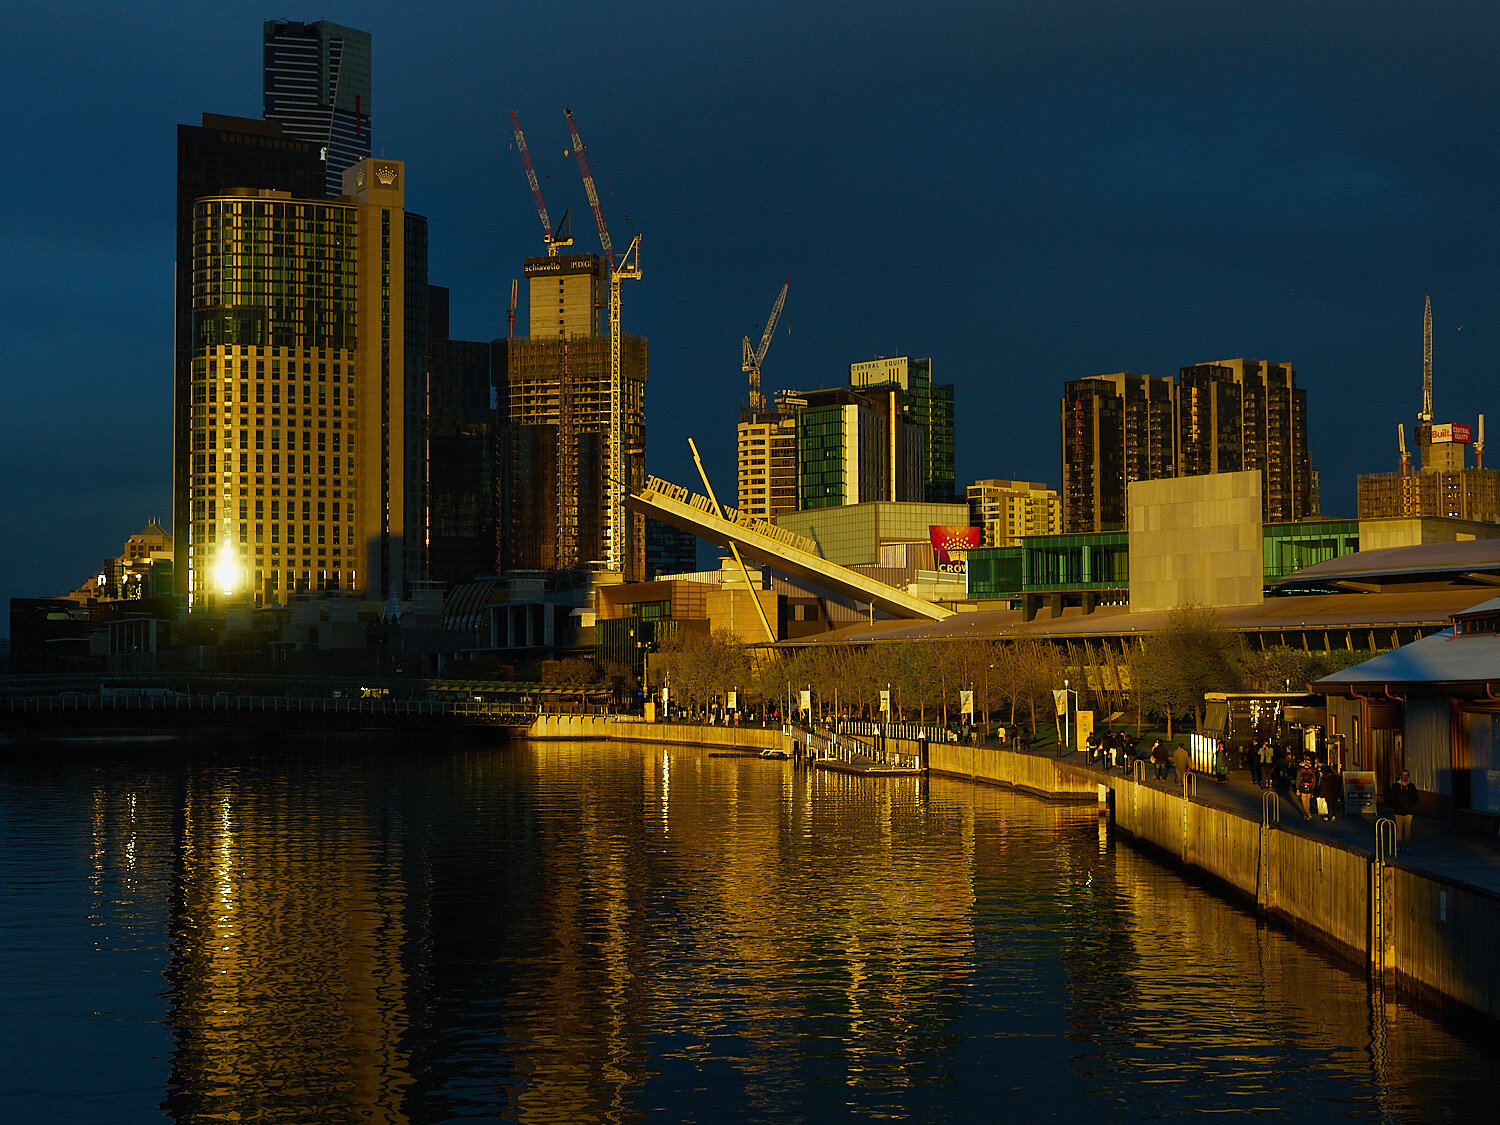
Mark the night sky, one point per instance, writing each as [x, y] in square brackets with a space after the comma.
[1027, 193]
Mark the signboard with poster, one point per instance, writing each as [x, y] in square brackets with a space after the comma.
[1083, 726]
[1450, 431]
[1359, 792]
[951, 545]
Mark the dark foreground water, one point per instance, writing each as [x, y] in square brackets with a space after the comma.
[374, 929]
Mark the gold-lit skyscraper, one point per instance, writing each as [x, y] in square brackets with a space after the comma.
[306, 418]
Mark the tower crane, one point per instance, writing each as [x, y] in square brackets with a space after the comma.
[1426, 416]
[561, 235]
[627, 268]
[753, 359]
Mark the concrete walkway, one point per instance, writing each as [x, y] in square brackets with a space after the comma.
[1435, 847]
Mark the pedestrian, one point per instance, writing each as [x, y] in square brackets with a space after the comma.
[1403, 802]
[1159, 760]
[1181, 763]
[1261, 757]
[1330, 791]
[1307, 782]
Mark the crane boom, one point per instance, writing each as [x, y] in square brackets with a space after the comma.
[751, 360]
[536, 188]
[588, 186]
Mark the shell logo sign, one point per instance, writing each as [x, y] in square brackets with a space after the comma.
[951, 545]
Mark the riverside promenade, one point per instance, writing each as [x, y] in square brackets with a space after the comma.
[1423, 918]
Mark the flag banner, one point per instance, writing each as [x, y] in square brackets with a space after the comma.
[885, 701]
[1060, 697]
[966, 704]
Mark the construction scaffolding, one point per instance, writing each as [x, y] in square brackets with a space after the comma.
[559, 409]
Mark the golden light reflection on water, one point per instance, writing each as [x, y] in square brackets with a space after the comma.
[572, 932]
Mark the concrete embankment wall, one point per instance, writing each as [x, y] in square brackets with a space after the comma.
[551, 728]
[1028, 772]
[1436, 937]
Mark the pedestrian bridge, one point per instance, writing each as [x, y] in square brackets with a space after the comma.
[766, 542]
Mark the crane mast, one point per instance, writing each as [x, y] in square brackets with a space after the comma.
[751, 360]
[627, 268]
[1426, 415]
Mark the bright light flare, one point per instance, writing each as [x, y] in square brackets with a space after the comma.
[227, 573]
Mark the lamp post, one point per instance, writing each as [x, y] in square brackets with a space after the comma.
[1067, 719]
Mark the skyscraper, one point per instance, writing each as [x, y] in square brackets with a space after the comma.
[1115, 429]
[461, 434]
[300, 418]
[556, 403]
[221, 154]
[1237, 414]
[317, 85]
[925, 405]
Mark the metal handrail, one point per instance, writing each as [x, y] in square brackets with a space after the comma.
[1270, 807]
[1385, 833]
[1189, 784]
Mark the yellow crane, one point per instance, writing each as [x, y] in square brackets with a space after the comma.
[627, 268]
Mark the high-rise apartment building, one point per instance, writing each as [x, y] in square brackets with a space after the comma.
[1010, 510]
[221, 154]
[841, 450]
[1222, 417]
[1115, 429]
[304, 417]
[925, 405]
[766, 458]
[556, 403]
[1239, 414]
[317, 86]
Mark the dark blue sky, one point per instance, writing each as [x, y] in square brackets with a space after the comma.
[1027, 193]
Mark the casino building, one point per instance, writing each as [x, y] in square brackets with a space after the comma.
[305, 412]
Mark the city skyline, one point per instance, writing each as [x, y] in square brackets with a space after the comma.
[1027, 196]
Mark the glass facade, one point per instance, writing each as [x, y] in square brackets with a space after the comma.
[1049, 563]
[317, 85]
[820, 453]
[1288, 547]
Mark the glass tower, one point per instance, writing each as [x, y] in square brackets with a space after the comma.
[317, 85]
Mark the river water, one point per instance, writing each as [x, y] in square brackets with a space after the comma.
[384, 928]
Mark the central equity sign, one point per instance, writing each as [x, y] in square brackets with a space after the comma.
[951, 545]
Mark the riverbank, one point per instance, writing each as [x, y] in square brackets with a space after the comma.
[1413, 921]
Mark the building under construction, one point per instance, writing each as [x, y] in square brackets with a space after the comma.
[1443, 484]
[557, 403]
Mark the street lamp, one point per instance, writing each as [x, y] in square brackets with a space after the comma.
[1067, 719]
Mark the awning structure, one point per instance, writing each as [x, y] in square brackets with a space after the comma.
[1216, 718]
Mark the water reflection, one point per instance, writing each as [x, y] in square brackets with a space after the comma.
[357, 930]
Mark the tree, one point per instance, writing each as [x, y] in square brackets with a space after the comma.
[699, 668]
[1192, 653]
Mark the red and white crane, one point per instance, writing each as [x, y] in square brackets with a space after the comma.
[554, 238]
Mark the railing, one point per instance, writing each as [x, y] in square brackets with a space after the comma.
[221, 702]
[840, 746]
[912, 732]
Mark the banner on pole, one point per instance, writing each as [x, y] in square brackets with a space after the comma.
[885, 700]
[734, 698]
[805, 698]
[1060, 697]
[966, 704]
